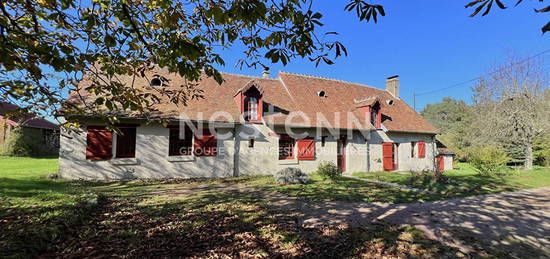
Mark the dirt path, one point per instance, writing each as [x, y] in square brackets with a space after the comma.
[501, 219]
[515, 221]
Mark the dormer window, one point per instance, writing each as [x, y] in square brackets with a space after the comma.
[252, 108]
[252, 104]
[249, 100]
[376, 115]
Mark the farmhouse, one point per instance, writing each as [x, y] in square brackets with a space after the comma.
[252, 125]
[41, 132]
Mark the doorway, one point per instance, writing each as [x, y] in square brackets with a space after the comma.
[341, 153]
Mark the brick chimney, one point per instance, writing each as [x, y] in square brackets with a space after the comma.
[392, 85]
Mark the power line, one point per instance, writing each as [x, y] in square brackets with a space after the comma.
[477, 78]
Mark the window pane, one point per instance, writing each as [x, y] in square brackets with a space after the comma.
[286, 147]
[126, 143]
[180, 145]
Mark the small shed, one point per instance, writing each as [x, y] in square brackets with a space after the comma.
[445, 157]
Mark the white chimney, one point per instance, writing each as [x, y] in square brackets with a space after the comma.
[265, 73]
[392, 85]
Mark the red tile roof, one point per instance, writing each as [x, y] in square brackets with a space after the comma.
[291, 95]
[28, 119]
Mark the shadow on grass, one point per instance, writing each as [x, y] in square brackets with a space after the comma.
[193, 218]
[348, 189]
[232, 224]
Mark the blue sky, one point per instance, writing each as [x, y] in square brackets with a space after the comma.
[429, 44]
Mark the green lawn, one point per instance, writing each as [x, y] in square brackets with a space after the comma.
[191, 218]
[465, 181]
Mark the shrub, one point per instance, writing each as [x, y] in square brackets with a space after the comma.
[489, 160]
[427, 177]
[18, 144]
[291, 175]
[328, 170]
[541, 150]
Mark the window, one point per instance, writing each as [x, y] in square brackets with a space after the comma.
[251, 143]
[180, 145]
[421, 149]
[126, 142]
[252, 109]
[252, 105]
[306, 149]
[205, 144]
[323, 141]
[376, 116]
[99, 143]
[286, 147]
[373, 117]
[413, 151]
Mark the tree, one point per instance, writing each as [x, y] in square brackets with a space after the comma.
[486, 5]
[452, 117]
[510, 107]
[48, 45]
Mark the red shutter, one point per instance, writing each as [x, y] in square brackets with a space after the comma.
[260, 108]
[99, 143]
[421, 149]
[387, 156]
[205, 144]
[306, 149]
[379, 118]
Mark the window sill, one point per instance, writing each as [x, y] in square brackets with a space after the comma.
[186, 158]
[288, 162]
[124, 161]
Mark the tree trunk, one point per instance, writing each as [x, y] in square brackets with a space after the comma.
[528, 162]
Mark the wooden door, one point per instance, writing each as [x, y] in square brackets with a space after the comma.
[387, 156]
[341, 155]
[440, 163]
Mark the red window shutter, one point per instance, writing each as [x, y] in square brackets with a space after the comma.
[422, 149]
[306, 149]
[205, 144]
[99, 143]
[387, 156]
[379, 119]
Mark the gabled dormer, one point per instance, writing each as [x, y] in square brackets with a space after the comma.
[249, 99]
[371, 108]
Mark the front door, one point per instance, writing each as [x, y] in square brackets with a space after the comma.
[341, 156]
[387, 156]
[440, 163]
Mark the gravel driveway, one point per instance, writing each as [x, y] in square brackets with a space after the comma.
[505, 220]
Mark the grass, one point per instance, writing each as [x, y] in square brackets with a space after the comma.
[190, 218]
[346, 189]
[465, 181]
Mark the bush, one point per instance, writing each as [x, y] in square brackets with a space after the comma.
[329, 171]
[489, 160]
[18, 144]
[541, 150]
[427, 177]
[291, 175]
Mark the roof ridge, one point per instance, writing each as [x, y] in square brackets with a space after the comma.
[331, 79]
[249, 76]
